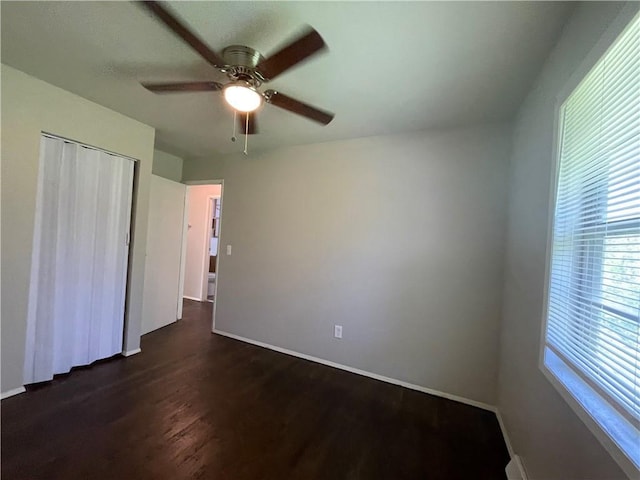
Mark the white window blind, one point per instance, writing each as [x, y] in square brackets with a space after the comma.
[593, 313]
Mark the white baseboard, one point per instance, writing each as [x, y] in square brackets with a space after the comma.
[11, 393]
[515, 469]
[128, 353]
[507, 441]
[193, 298]
[357, 371]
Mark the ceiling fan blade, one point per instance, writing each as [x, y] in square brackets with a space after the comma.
[184, 33]
[242, 123]
[301, 48]
[283, 101]
[184, 87]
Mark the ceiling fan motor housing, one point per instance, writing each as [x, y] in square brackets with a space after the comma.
[240, 63]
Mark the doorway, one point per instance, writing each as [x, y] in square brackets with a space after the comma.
[201, 238]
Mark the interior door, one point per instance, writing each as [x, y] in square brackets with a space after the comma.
[164, 250]
[80, 257]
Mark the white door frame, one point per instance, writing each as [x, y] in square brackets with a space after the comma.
[184, 236]
[183, 254]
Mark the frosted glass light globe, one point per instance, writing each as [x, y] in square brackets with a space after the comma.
[242, 98]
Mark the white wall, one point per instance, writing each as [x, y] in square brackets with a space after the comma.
[167, 165]
[162, 299]
[197, 258]
[30, 106]
[552, 441]
[397, 238]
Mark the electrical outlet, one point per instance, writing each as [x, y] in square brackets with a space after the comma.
[337, 331]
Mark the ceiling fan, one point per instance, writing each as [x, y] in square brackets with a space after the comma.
[247, 70]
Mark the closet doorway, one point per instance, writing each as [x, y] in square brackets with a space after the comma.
[80, 258]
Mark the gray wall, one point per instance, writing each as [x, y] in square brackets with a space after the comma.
[30, 106]
[166, 165]
[397, 238]
[553, 442]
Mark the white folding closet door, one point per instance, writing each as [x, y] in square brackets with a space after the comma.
[79, 265]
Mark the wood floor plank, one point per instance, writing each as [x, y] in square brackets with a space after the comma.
[195, 405]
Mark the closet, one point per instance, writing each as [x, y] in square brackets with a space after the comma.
[80, 257]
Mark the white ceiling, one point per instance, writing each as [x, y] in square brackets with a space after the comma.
[390, 67]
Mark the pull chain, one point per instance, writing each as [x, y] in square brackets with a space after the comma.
[233, 135]
[246, 134]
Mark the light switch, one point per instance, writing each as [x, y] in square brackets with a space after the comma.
[337, 331]
[228, 249]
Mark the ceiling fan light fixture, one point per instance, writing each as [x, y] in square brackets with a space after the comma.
[242, 97]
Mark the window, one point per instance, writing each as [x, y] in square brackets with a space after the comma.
[591, 342]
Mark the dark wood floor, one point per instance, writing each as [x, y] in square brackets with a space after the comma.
[199, 406]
